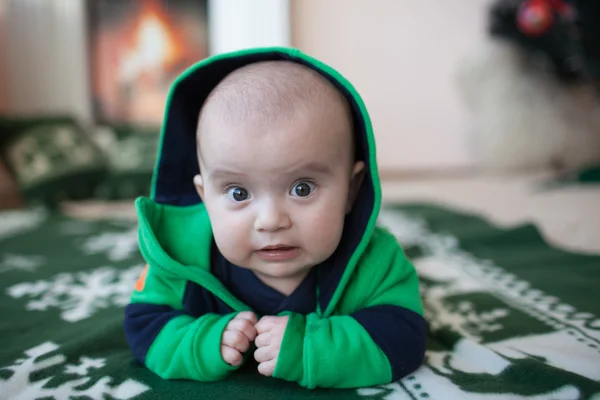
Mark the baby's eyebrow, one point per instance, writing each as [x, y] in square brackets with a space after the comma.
[221, 173]
[314, 167]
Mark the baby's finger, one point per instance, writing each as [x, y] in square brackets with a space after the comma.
[264, 339]
[267, 368]
[265, 353]
[247, 315]
[244, 326]
[231, 356]
[265, 324]
[236, 340]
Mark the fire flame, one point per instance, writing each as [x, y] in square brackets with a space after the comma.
[153, 46]
[138, 54]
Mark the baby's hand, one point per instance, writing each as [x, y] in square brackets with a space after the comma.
[268, 342]
[238, 335]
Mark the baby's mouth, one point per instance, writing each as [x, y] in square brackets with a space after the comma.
[277, 247]
[280, 252]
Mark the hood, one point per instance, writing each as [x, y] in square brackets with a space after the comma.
[176, 165]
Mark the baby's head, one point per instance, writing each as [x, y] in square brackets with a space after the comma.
[277, 168]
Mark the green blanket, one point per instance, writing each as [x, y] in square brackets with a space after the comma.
[509, 316]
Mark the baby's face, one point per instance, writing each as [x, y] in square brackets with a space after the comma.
[277, 193]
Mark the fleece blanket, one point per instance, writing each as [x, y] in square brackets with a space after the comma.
[510, 316]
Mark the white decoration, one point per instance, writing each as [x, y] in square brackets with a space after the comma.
[18, 262]
[79, 295]
[19, 386]
[117, 245]
[16, 222]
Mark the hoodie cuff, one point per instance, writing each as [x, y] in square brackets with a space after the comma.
[290, 362]
[212, 347]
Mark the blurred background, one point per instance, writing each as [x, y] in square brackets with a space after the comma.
[453, 88]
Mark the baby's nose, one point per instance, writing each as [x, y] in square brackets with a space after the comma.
[272, 217]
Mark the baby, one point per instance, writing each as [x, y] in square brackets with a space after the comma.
[260, 236]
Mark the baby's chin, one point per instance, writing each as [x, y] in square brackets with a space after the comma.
[279, 269]
[283, 278]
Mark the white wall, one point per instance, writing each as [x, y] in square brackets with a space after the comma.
[239, 24]
[45, 57]
[401, 55]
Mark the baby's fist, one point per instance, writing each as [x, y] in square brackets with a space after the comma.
[237, 337]
[268, 342]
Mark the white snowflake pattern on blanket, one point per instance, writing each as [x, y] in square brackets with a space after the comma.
[20, 262]
[79, 294]
[17, 222]
[20, 387]
[118, 246]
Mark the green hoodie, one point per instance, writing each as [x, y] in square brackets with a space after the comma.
[367, 327]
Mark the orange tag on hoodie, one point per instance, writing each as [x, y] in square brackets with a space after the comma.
[141, 282]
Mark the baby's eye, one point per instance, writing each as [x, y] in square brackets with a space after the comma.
[302, 189]
[237, 194]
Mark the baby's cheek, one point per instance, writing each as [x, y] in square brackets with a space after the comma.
[324, 232]
[231, 238]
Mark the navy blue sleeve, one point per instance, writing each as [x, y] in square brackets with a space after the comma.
[142, 324]
[144, 321]
[400, 333]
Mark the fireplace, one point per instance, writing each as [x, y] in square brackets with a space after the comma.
[137, 48]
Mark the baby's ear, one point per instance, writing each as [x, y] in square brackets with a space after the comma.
[358, 175]
[199, 184]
